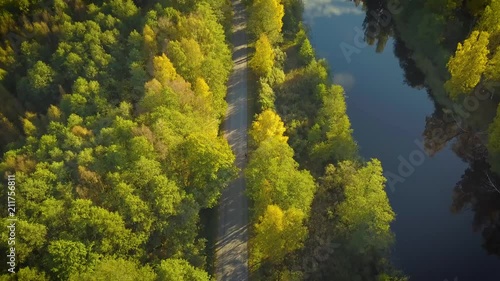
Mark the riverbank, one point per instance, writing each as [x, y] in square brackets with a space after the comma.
[390, 111]
[312, 114]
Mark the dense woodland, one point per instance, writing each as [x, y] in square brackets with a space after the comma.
[320, 212]
[110, 120]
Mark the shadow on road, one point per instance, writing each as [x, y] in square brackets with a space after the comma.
[231, 262]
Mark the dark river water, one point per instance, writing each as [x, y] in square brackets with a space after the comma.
[388, 118]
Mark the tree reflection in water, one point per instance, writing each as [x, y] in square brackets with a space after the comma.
[479, 188]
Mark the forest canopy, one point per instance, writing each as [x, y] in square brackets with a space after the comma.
[111, 112]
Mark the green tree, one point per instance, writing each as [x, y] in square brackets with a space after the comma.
[331, 137]
[273, 178]
[31, 238]
[306, 52]
[187, 58]
[180, 270]
[352, 216]
[116, 269]
[37, 86]
[365, 213]
[40, 76]
[25, 274]
[266, 17]
[123, 9]
[468, 64]
[66, 258]
[206, 168]
[266, 96]
[292, 19]
[104, 229]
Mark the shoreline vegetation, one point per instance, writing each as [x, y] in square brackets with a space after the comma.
[319, 211]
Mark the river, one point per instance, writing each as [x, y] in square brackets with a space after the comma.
[388, 118]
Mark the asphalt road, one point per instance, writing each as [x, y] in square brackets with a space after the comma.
[231, 261]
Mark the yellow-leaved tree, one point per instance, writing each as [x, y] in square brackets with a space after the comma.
[492, 72]
[163, 70]
[266, 17]
[150, 40]
[277, 233]
[490, 21]
[268, 125]
[468, 64]
[263, 60]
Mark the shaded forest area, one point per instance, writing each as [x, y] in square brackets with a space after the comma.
[110, 120]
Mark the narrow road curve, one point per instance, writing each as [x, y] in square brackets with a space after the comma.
[231, 258]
